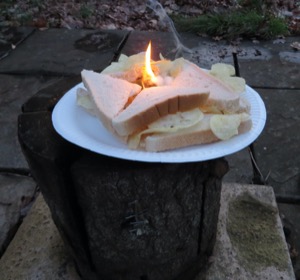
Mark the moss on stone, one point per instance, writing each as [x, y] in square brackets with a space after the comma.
[251, 226]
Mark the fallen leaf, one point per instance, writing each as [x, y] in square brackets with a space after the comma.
[296, 46]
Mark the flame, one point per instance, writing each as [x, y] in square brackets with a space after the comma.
[149, 73]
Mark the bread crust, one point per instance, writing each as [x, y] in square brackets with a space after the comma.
[221, 96]
[199, 134]
[108, 94]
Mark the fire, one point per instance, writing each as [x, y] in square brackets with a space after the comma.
[149, 79]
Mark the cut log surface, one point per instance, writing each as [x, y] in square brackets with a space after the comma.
[124, 219]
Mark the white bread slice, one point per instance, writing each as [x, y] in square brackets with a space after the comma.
[222, 98]
[153, 103]
[109, 94]
[201, 133]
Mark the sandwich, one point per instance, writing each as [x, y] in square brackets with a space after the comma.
[190, 107]
[224, 89]
[106, 96]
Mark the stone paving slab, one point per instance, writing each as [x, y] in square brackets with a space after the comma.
[275, 65]
[290, 215]
[259, 62]
[46, 98]
[16, 193]
[277, 148]
[37, 251]
[262, 255]
[14, 91]
[63, 52]
[240, 168]
[11, 37]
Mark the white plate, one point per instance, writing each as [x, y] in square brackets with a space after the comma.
[86, 131]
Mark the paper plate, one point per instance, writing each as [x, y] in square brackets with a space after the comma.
[80, 128]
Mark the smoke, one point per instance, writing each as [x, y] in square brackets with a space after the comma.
[165, 20]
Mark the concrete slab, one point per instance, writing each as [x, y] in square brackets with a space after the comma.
[261, 64]
[37, 251]
[266, 62]
[277, 148]
[11, 37]
[14, 91]
[46, 98]
[290, 215]
[205, 51]
[240, 168]
[16, 194]
[274, 64]
[250, 239]
[63, 52]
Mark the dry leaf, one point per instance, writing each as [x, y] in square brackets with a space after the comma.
[296, 46]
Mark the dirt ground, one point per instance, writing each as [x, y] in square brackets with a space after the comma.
[134, 14]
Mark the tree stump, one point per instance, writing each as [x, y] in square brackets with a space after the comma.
[123, 219]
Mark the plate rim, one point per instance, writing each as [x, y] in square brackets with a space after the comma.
[179, 155]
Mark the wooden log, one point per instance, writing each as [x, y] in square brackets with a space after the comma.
[149, 220]
[49, 158]
[124, 219]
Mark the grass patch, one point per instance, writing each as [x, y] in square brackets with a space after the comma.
[85, 11]
[235, 24]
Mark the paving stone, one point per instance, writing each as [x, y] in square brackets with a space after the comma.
[16, 193]
[205, 51]
[240, 168]
[37, 251]
[46, 98]
[290, 215]
[277, 148]
[261, 255]
[275, 64]
[11, 37]
[260, 64]
[63, 52]
[14, 91]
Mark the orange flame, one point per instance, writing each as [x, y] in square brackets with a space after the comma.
[149, 73]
